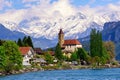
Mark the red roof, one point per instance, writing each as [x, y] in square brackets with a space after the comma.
[61, 32]
[71, 42]
[24, 50]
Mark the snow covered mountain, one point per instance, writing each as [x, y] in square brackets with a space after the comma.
[78, 25]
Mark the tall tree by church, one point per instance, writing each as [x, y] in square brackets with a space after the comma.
[96, 43]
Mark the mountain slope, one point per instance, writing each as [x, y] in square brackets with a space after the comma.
[8, 34]
[111, 32]
[75, 26]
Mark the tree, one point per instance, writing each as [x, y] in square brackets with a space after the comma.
[58, 52]
[25, 41]
[110, 47]
[82, 54]
[48, 58]
[2, 57]
[1, 42]
[96, 43]
[10, 56]
[105, 51]
[29, 42]
[74, 56]
[19, 42]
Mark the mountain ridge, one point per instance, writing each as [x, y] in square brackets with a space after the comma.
[77, 26]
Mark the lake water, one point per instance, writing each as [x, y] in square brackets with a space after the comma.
[83, 74]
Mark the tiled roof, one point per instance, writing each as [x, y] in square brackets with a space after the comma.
[71, 42]
[24, 50]
[61, 32]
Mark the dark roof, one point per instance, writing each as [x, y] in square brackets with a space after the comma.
[71, 42]
[61, 32]
[38, 50]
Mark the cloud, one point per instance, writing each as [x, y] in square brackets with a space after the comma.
[4, 3]
[48, 11]
[13, 16]
[27, 1]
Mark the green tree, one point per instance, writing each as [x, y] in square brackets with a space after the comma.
[96, 44]
[25, 41]
[58, 52]
[13, 58]
[48, 58]
[29, 42]
[1, 42]
[74, 56]
[2, 57]
[110, 47]
[19, 42]
[82, 54]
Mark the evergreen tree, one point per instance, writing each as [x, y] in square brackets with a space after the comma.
[29, 41]
[58, 52]
[25, 41]
[98, 51]
[96, 45]
[92, 43]
[19, 42]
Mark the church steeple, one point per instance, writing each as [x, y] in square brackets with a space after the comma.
[61, 37]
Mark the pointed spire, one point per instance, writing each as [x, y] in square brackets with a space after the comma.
[61, 32]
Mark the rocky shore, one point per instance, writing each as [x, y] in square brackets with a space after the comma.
[62, 67]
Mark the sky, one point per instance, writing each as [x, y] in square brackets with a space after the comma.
[17, 10]
[24, 4]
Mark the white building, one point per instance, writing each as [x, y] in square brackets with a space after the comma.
[27, 53]
[68, 45]
[71, 45]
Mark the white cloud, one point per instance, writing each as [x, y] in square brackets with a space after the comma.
[13, 16]
[52, 11]
[26, 1]
[4, 3]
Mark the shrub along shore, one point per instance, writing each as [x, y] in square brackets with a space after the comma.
[63, 66]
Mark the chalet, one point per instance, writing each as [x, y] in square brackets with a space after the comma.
[27, 53]
[68, 45]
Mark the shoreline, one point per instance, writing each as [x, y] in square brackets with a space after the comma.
[51, 68]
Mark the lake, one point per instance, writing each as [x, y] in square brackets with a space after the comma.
[83, 74]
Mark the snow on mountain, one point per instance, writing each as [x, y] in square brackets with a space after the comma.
[74, 26]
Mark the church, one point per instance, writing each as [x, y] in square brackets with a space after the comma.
[69, 45]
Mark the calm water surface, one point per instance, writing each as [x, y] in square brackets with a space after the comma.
[84, 74]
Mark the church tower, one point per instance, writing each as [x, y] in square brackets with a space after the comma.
[61, 37]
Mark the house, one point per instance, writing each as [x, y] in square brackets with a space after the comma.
[27, 53]
[69, 45]
[40, 61]
[38, 51]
